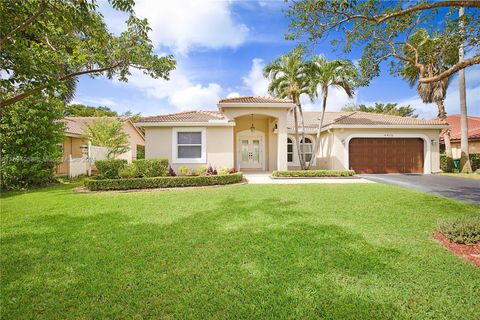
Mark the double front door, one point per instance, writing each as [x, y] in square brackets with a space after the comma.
[250, 152]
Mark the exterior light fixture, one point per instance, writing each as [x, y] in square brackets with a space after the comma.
[252, 128]
[275, 128]
[434, 142]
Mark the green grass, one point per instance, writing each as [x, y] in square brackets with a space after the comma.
[462, 175]
[249, 251]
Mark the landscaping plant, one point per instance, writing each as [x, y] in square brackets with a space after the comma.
[463, 230]
[110, 168]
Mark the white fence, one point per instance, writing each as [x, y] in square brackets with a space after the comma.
[100, 153]
[78, 167]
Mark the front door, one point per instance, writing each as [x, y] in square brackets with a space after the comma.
[250, 152]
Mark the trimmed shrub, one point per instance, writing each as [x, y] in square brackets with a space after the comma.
[127, 172]
[314, 173]
[444, 165]
[464, 230]
[162, 182]
[109, 168]
[151, 167]
[475, 161]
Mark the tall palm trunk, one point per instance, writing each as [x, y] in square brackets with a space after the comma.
[302, 160]
[442, 116]
[465, 165]
[317, 144]
[297, 142]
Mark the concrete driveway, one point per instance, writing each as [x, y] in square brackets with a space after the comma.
[457, 188]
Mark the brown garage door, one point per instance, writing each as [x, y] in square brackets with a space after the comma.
[386, 155]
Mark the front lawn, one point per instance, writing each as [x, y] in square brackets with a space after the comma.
[249, 251]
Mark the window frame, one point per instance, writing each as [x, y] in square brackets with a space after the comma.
[175, 145]
[293, 150]
[302, 144]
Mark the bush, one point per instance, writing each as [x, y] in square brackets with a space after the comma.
[128, 171]
[314, 173]
[109, 168]
[162, 182]
[147, 168]
[444, 165]
[464, 231]
[30, 136]
[474, 160]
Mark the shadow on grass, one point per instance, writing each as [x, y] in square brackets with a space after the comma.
[242, 259]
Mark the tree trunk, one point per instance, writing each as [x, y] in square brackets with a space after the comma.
[442, 116]
[465, 166]
[304, 163]
[317, 144]
[297, 137]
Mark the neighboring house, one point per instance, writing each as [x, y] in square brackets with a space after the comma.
[473, 135]
[77, 150]
[257, 133]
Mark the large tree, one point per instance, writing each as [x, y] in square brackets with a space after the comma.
[325, 74]
[288, 75]
[384, 28]
[46, 44]
[384, 108]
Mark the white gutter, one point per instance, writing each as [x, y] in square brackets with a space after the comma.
[185, 124]
[384, 126]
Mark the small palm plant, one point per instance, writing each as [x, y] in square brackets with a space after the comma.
[288, 75]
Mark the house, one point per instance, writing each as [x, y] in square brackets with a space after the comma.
[257, 133]
[473, 135]
[77, 150]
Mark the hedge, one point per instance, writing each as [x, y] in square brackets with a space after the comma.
[151, 167]
[109, 168]
[313, 173]
[162, 182]
[464, 230]
[474, 160]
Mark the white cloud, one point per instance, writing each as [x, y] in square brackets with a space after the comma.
[255, 82]
[97, 101]
[233, 95]
[337, 99]
[186, 24]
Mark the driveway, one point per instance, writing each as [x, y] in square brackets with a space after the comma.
[457, 188]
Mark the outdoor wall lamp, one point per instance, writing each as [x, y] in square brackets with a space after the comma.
[434, 142]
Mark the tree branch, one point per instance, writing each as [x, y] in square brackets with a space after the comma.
[26, 94]
[451, 70]
[24, 24]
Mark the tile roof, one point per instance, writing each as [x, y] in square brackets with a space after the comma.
[252, 99]
[78, 125]
[186, 116]
[473, 127]
[356, 118]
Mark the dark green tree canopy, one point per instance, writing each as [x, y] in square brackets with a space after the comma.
[384, 29]
[46, 44]
[384, 108]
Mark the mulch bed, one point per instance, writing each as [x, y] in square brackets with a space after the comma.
[470, 252]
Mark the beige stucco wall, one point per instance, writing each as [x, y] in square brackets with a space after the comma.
[334, 152]
[473, 147]
[134, 138]
[219, 146]
[71, 146]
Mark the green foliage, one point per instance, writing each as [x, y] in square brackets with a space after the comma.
[183, 170]
[128, 171]
[108, 132]
[463, 230]
[151, 167]
[140, 152]
[224, 171]
[109, 168]
[80, 110]
[29, 139]
[384, 108]
[162, 182]
[386, 30]
[314, 173]
[45, 45]
[474, 161]
[202, 170]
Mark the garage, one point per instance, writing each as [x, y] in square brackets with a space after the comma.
[386, 155]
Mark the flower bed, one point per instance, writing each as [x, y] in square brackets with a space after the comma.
[162, 182]
[313, 173]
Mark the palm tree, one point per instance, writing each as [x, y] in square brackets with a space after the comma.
[288, 77]
[434, 92]
[324, 74]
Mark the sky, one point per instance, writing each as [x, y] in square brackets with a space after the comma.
[221, 48]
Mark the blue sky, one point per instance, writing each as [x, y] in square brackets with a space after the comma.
[221, 48]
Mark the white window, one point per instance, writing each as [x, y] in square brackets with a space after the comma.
[189, 145]
[306, 147]
[289, 150]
